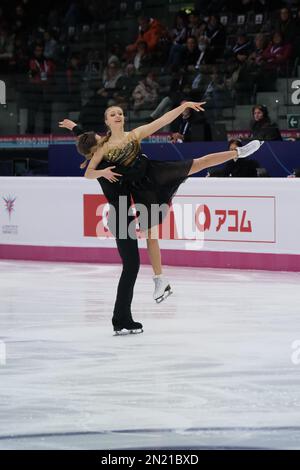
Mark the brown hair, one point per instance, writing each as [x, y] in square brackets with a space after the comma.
[87, 145]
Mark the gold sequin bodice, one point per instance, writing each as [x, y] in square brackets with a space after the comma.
[123, 155]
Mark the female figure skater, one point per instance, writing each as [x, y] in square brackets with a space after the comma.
[117, 160]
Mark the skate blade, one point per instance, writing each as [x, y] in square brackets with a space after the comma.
[125, 332]
[164, 296]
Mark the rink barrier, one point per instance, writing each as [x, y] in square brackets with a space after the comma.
[244, 223]
[203, 259]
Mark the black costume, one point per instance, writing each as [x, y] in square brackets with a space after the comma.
[147, 182]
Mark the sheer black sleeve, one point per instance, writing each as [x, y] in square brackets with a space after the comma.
[77, 130]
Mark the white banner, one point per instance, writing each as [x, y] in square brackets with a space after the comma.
[229, 214]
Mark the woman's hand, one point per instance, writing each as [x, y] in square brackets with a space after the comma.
[67, 124]
[110, 175]
[193, 105]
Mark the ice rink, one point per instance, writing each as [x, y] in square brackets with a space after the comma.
[218, 364]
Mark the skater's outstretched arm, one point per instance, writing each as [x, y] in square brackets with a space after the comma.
[144, 131]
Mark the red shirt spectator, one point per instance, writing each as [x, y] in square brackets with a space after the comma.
[41, 70]
[151, 31]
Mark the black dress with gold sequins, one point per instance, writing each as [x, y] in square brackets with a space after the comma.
[150, 182]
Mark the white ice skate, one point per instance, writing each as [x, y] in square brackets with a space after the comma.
[162, 289]
[248, 149]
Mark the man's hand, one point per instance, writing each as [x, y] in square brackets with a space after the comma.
[67, 124]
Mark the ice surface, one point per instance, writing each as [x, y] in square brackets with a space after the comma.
[217, 365]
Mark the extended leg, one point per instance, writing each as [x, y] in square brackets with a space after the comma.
[221, 157]
[211, 160]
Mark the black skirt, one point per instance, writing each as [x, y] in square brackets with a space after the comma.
[152, 184]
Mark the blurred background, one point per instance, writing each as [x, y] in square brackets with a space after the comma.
[72, 59]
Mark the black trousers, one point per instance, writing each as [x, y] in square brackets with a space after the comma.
[129, 253]
[127, 247]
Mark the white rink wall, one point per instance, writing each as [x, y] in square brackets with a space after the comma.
[237, 216]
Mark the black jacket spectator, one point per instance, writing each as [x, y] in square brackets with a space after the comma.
[261, 127]
[190, 53]
[287, 25]
[240, 168]
[215, 37]
[244, 168]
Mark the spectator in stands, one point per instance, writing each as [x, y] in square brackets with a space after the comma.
[277, 55]
[194, 27]
[142, 58]
[203, 48]
[179, 31]
[41, 77]
[261, 126]
[241, 49]
[178, 35]
[260, 45]
[247, 72]
[50, 46]
[215, 39]
[216, 93]
[125, 86]
[253, 72]
[246, 168]
[295, 174]
[190, 54]
[150, 31]
[182, 126]
[286, 25]
[190, 127]
[200, 81]
[175, 94]
[115, 52]
[111, 75]
[145, 94]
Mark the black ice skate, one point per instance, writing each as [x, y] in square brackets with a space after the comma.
[128, 327]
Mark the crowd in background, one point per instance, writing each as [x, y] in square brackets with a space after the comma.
[199, 57]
